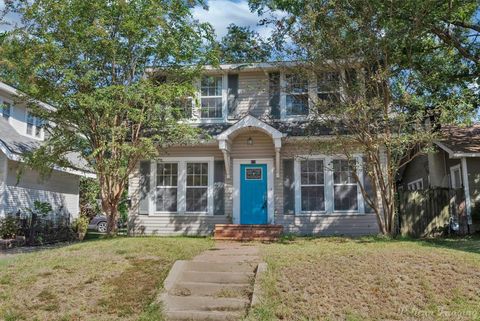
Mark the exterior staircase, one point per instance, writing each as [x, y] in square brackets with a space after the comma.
[215, 285]
[241, 232]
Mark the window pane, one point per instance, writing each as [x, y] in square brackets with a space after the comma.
[313, 198]
[211, 107]
[296, 84]
[328, 82]
[6, 109]
[297, 105]
[167, 174]
[166, 199]
[196, 199]
[312, 172]
[345, 198]
[343, 171]
[211, 86]
[197, 174]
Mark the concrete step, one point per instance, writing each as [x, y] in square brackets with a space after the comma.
[216, 258]
[203, 303]
[211, 289]
[244, 250]
[200, 266]
[204, 315]
[217, 277]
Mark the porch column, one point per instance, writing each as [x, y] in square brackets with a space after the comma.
[278, 147]
[224, 146]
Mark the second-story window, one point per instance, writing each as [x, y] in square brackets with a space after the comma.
[34, 126]
[211, 104]
[6, 109]
[296, 92]
[328, 87]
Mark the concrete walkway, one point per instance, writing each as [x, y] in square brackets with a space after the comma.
[215, 285]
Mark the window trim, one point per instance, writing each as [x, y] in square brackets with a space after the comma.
[165, 187]
[312, 80]
[414, 183]
[34, 127]
[10, 104]
[329, 186]
[348, 184]
[197, 102]
[181, 185]
[452, 170]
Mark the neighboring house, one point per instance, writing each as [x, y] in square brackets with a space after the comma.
[259, 167]
[20, 132]
[454, 165]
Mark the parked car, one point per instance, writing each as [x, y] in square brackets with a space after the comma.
[99, 223]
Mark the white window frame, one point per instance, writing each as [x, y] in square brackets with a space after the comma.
[165, 187]
[284, 94]
[197, 102]
[10, 104]
[34, 127]
[339, 91]
[181, 185]
[452, 176]
[312, 95]
[415, 185]
[300, 185]
[328, 183]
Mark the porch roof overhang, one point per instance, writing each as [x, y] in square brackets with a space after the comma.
[246, 124]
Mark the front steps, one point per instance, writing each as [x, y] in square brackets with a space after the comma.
[240, 232]
[215, 285]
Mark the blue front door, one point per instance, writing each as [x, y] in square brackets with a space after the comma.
[253, 194]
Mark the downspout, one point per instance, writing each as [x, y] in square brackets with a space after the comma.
[466, 188]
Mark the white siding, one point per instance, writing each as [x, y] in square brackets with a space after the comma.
[60, 189]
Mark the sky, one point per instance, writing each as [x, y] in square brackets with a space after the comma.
[220, 14]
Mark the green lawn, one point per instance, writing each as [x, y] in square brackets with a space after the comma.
[371, 279]
[114, 279]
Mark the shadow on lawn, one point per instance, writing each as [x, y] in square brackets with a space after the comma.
[469, 243]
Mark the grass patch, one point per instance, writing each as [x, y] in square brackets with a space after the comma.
[370, 279]
[103, 279]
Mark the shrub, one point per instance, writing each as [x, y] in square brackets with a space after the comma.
[80, 224]
[9, 227]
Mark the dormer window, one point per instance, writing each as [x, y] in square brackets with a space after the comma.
[6, 109]
[34, 126]
[211, 97]
[296, 95]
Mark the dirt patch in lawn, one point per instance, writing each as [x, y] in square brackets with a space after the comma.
[343, 279]
[100, 280]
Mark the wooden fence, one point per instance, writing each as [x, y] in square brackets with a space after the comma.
[427, 212]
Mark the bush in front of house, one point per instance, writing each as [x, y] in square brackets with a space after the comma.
[9, 227]
[80, 225]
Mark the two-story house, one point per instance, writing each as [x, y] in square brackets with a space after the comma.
[258, 168]
[21, 132]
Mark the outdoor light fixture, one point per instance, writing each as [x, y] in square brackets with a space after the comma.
[250, 141]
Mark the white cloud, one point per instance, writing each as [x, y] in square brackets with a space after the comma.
[221, 13]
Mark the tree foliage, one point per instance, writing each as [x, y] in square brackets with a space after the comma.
[400, 63]
[89, 60]
[243, 45]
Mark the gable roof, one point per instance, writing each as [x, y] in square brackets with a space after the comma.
[15, 92]
[460, 141]
[14, 145]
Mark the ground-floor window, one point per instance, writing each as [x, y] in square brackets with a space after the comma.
[313, 185]
[197, 187]
[167, 187]
[326, 184]
[345, 194]
[183, 185]
[415, 185]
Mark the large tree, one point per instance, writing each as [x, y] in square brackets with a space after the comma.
[399, 63]
[244, 45]
[89, 59]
